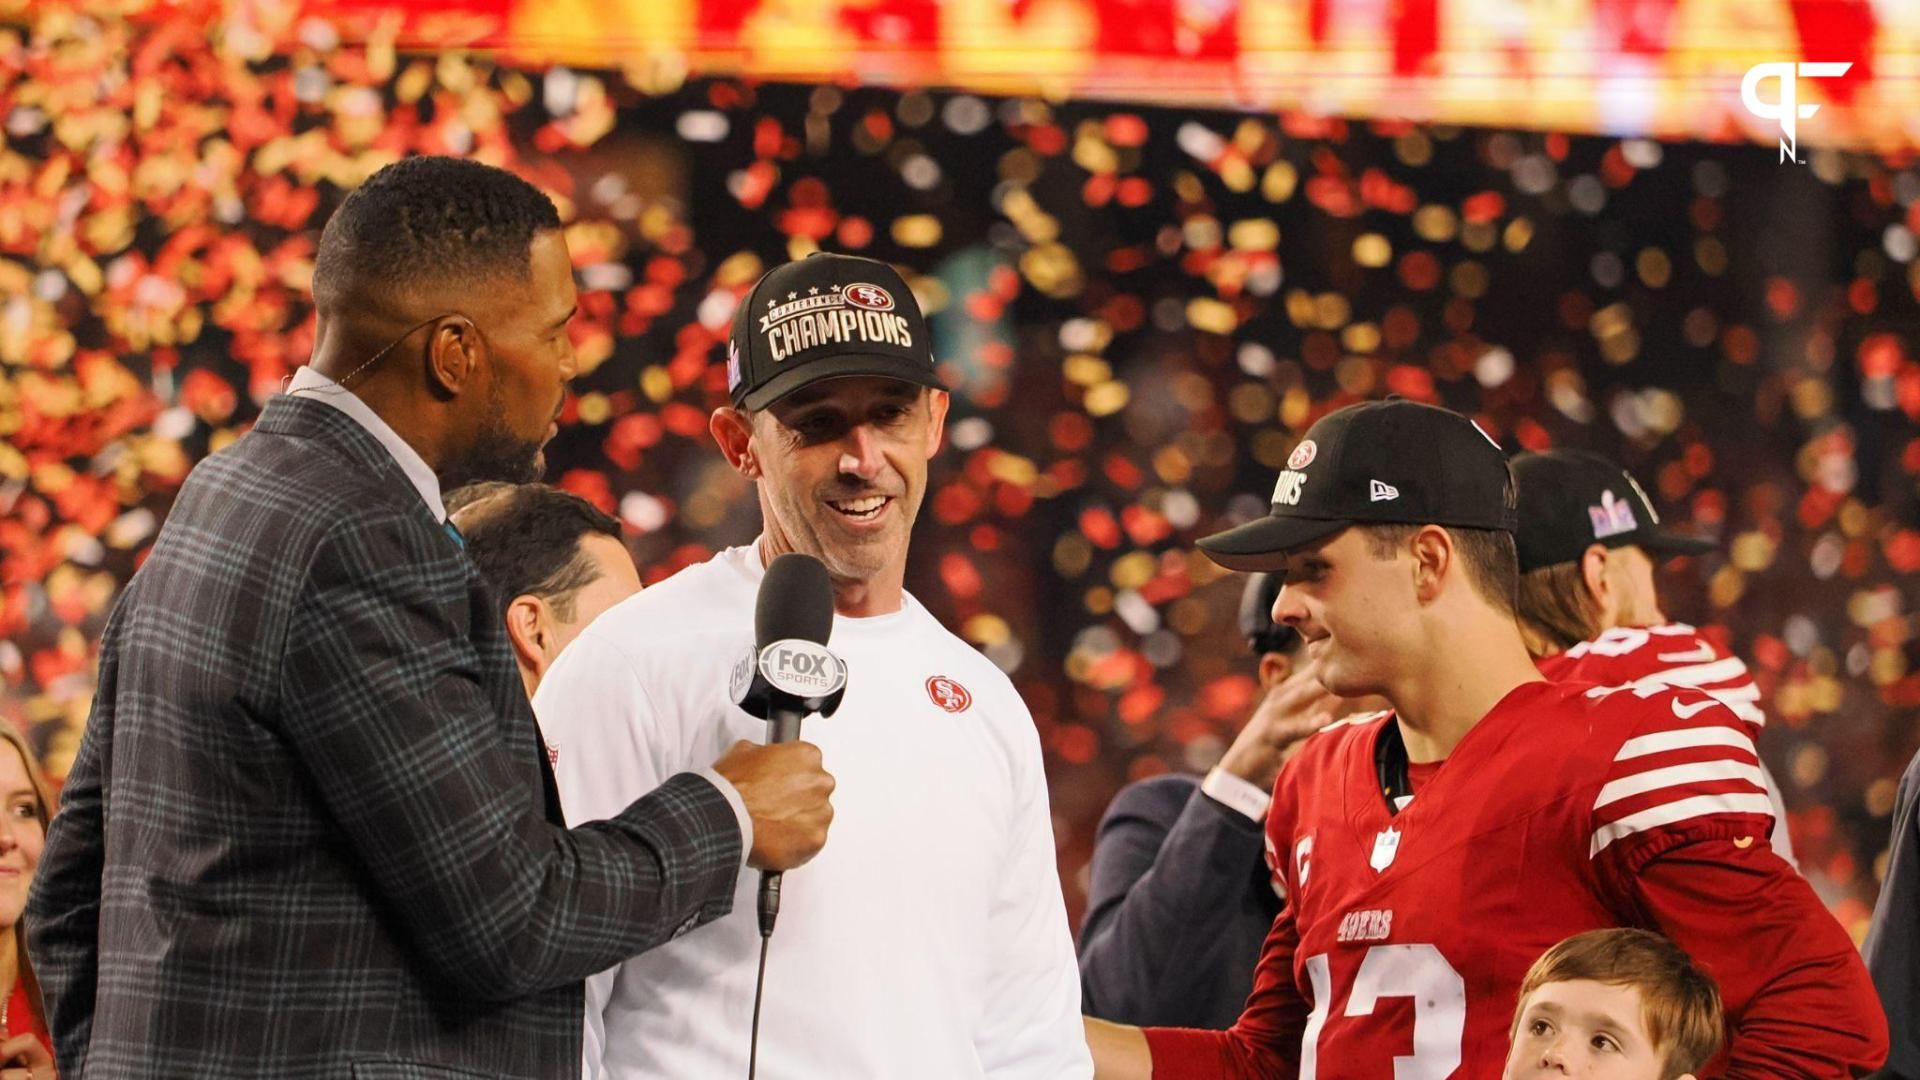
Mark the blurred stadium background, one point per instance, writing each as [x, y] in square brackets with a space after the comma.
[1159, 238]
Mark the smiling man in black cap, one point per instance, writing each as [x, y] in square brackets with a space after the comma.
[930, 941]
[1589, 540]
[1430, 854]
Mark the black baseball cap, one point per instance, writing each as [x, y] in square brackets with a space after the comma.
[1392, 462]
[1570, 500]
[824, 317]
[1256, 616]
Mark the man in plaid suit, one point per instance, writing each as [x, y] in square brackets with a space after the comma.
[312, 831]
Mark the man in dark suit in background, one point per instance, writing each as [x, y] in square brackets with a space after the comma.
[1181, 896]
[555, 562]
[311, 831]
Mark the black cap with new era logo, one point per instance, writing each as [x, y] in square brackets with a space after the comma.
[1392, 462]
[824, 317]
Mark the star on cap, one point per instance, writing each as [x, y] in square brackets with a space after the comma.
[793, 295]
[815, 291]
[769, 303]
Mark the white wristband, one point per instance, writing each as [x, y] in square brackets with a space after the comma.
[1236, 794]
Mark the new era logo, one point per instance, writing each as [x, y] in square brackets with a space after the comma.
[1379, 492]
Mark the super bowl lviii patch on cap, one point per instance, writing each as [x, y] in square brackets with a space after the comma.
[825, 317]
[1380, 462]
[1571, 500]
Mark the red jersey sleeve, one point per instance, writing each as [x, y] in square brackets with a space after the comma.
[1679, 834]
[1265, 1042]
[1687, 770]
[1799, 1001]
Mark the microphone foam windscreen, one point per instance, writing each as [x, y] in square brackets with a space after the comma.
[796, 601]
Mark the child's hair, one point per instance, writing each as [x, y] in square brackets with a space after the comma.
[1680, 1004]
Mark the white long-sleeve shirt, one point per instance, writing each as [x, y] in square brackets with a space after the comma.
[928, 939]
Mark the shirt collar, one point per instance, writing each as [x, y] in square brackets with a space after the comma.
[318, 387]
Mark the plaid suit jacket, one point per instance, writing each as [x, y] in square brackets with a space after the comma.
[311, 831]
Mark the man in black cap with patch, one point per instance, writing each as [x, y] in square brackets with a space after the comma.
[1589, 539]
[1430, 854]
[1181, 894]
[930, 939]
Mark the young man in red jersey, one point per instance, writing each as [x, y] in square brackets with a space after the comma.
[1431, 854]
[1589, 539]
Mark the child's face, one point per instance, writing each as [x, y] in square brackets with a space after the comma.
[1583, 1029]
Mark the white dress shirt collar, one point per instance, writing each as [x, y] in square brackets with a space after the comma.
[314, 386]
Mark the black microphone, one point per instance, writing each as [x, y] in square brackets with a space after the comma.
[790, 673]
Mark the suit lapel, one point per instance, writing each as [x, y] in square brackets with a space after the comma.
[299, 418]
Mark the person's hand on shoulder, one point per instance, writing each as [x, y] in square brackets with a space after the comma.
[786, 793]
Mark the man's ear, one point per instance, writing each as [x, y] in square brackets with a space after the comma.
[1275, 668]
[1434, 557]
[732, 431]
[529, 629]
[1593, 572]
[453, 355]
[937, 405]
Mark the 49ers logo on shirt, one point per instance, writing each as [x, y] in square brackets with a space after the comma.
[948, 694]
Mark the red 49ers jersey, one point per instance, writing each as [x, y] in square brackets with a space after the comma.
[1672, 654]
[1406, 936]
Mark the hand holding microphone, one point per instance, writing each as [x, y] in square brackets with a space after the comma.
[786, 792]
[789, 675]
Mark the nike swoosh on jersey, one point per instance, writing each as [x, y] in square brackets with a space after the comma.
[1687, 710]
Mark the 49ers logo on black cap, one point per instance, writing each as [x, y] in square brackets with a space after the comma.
[871, 297]
[841, 319]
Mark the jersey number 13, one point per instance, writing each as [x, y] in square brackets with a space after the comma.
[1388, 971]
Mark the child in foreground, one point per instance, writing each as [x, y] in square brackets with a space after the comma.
[1615, 1005]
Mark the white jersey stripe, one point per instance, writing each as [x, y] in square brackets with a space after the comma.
[1696, 674]
[1684, 739]
[1675, 776]
[1680, 810]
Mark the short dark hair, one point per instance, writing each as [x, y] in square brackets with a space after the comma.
[526, 540]
[432, 220]
[1493, 563]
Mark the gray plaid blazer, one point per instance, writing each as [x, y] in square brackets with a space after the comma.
[312, 831]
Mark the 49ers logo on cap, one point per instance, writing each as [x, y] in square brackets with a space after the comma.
[1303, 455]
[871, 297]
[948, 694]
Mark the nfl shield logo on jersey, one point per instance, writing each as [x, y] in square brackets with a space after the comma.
[1385, 847]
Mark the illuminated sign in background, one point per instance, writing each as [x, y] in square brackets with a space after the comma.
[1670, 68]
